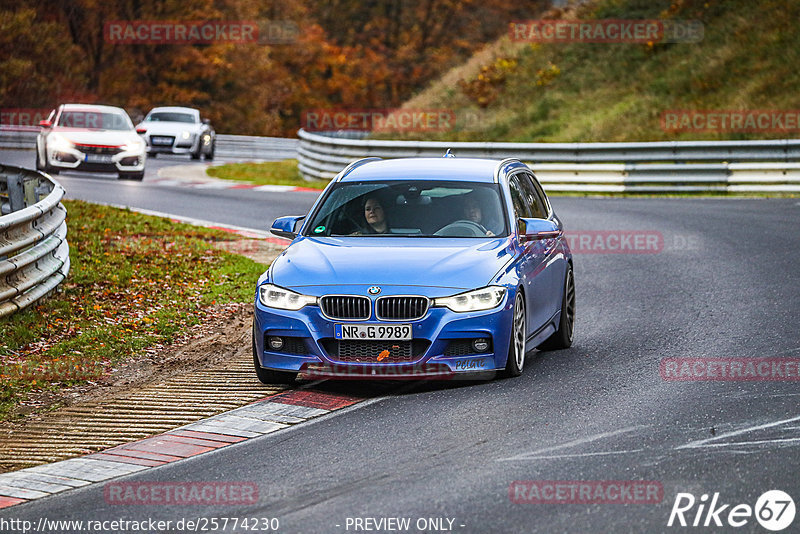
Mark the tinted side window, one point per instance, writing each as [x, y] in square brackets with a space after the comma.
[541, 194]
[538, 207]
[521, 206]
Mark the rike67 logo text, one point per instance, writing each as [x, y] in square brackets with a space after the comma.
[774, 510]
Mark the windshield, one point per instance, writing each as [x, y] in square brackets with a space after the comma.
[100, 120]
[410, 208]
[170, 116]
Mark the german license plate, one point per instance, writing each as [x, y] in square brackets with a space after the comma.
[98, 158]
[161, 140]
[391, 332]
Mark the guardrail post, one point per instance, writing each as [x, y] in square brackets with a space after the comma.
[29, 192]
[16, 195]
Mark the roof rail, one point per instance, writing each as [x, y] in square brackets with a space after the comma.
[353, 165]
[501, 165]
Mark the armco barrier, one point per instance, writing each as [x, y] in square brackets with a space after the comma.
[658, 167]
[34, 254]
[245, 147]
[230, 147]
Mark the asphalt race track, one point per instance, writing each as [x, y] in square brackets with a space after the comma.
[723, 283]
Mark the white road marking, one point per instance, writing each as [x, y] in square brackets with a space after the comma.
[704, 442]
[579, 455]
[573, 443]
[756, 442]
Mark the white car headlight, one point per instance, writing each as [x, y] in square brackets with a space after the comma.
[186, 134]
[59, 142]
[133, 146]
[484, 298]
[273, 296]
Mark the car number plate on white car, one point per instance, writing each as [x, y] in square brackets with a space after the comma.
[97, 158]
[161, 140]
[390, 332]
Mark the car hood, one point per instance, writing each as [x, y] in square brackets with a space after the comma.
[397, 261]
[168, 128]
[98, 137]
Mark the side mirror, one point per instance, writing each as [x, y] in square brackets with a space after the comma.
[206, 121]
[141, 130]
[536, 229]
[45, 123]
[286, 226]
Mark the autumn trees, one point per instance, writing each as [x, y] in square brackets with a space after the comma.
[341, 53]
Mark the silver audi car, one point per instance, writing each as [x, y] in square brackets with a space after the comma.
[177, 130]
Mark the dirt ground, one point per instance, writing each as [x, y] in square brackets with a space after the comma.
[222, 335]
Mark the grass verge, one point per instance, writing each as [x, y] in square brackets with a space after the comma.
[269, 173]
[136, 283]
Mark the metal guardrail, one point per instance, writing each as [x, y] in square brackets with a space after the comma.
[34, 254]
[235, 147]
[248, 147]
[23, 137]
[657, 167]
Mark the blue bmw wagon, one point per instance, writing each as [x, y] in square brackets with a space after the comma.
[416, 268]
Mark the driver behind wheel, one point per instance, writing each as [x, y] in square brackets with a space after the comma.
[474, 213]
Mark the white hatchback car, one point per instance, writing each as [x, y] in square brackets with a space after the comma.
[177, 130]
[88, 137]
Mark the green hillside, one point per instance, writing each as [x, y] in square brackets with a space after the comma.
[747, 60]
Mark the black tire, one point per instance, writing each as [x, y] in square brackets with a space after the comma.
[268, 376]
[516, 345]
[210, 154]
[563, 336]
[138, 176]
[196, 155]
[152, 155]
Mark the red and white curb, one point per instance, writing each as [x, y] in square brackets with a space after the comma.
[241, 424]
[229, 184]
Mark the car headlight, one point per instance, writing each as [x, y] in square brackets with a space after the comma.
[273, 296]
[59, 142]
[484, 298]
[133, 145]
[186, 134]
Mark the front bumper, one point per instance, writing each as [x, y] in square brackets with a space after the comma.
[441, 344]
[89, 160]
[176, 144]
